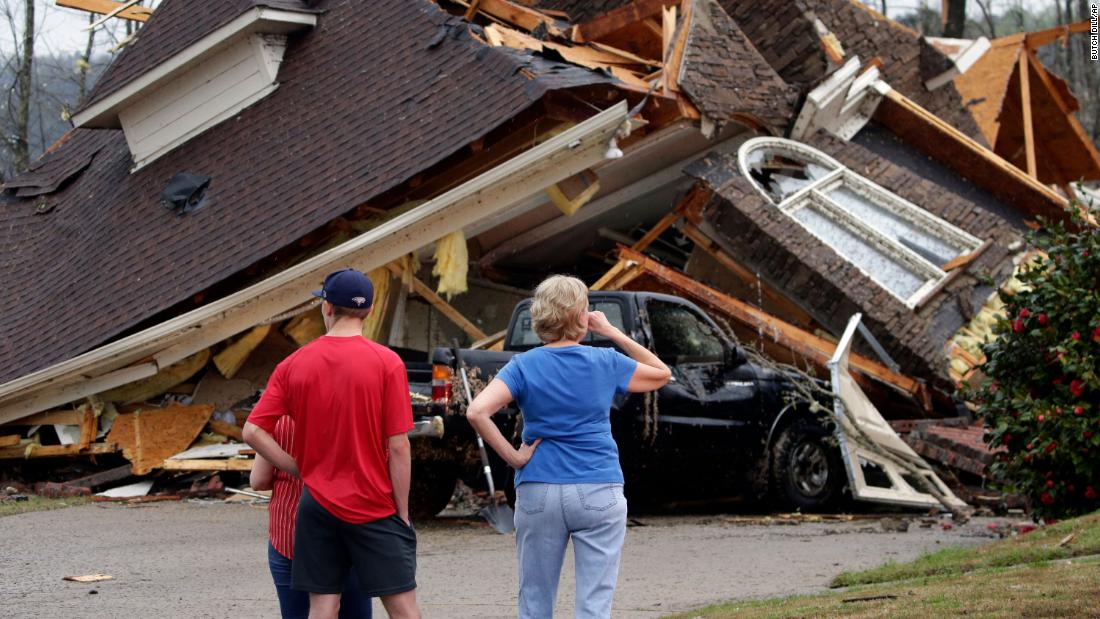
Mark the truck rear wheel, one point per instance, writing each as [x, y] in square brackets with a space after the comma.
[806, 469]
[433, 485]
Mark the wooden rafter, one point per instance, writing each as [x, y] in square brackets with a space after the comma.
[107, 7]
[780, 334]
[1039, 38]
[1029, 128]
[1063, 106]
[617, 19]
[439, 304]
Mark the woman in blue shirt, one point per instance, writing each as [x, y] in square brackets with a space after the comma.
[569, 484]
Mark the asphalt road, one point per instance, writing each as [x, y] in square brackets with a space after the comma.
[208, 560]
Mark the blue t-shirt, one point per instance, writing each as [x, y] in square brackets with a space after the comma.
[565, 394]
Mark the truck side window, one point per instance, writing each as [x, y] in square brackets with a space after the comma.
[681, 336]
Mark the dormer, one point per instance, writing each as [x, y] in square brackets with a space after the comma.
[206, 82]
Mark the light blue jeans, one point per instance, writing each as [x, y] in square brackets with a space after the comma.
[547, 517]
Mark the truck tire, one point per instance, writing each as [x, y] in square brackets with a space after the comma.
[433, 485]
[806, 470]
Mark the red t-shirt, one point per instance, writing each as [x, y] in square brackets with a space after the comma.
[285, 493]
[347, 396]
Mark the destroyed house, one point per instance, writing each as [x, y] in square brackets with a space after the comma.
[789, 155]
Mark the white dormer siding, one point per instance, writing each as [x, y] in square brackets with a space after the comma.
[208, 82]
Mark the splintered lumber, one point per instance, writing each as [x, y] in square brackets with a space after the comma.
[148, 437]
[107, 7]
[141, 390]
[587, 57]
[233, 431]
[305, 327]
[675, 56]
[230, 464]
[229, 360]
[54, 451]
[780, 338]
[1025, 105]
[436, 301]
[617, 19]
[512, 13]
[9, 439]
[102, 478]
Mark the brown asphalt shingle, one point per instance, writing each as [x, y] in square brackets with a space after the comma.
[363, 104]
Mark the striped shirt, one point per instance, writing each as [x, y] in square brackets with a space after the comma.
[284, 496]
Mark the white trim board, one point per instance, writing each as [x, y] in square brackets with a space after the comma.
[127, 359]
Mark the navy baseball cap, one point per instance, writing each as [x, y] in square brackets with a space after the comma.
[347, 288]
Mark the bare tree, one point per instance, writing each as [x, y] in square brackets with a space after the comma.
[987, 15]
[17, 137]
[954, 19]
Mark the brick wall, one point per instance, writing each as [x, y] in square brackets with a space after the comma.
[830, 287]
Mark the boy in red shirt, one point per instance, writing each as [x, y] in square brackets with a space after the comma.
[349, 398]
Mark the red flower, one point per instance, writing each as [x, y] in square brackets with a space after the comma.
[1030, 446]
[1027, 457]
[1096, 335]
[1057, 381]
[1087, 434]
[1046, 498]
[1075, 336]
[1078, 410]
[1024, 313]
[1076, 387]
[1050, 483]
[1043, 319]
[1018, 326]
[1085, 253]
[1071, 487]
[1051, 447]
[1090, 493]
[1006, 439]
[1042, 418]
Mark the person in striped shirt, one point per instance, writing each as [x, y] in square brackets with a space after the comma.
[286, 490]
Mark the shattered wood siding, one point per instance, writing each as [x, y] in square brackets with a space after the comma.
[831, 288]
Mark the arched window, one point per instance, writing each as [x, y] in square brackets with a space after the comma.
[899, 245]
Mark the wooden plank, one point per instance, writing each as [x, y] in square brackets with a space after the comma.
[656, 231]
[781, 302]
[1025, 105]
[668, 32]
[233, 431]
[105, 7]
[62, 417]
[148, 437]
[103, 477]
[1039, 38]
[616, 19]
[54, 451]
[813, 348]
[609, 276]
[965, 259]
[232, 357]
[9, 440]
[227, 464]
[490, 340]
[439, 304]
[512, 13]
[676, 56]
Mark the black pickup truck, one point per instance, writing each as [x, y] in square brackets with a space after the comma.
[722, 427]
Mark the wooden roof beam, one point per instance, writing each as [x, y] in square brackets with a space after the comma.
[617, 19]
[1029, 128]
[107, 7]
[1039, 38]
[1064, 107]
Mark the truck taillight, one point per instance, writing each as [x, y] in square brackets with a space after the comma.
[441, 384]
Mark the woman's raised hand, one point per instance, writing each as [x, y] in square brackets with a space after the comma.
[598, 324]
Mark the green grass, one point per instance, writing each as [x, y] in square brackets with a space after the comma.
[1048, 589]
[1025, 576]
[1039, 545]
[35, 503]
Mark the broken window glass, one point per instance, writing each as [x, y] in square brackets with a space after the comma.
[899, 245]
[681, 336]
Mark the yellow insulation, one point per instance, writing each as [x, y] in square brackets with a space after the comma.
[372, 326]
[451, 264]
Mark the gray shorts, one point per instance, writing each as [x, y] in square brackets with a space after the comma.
[383, 552]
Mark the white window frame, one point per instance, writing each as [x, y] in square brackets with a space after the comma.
[815, 194]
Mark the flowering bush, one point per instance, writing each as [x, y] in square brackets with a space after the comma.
[1041, 395]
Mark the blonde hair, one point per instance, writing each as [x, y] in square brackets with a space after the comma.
[559, 309]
